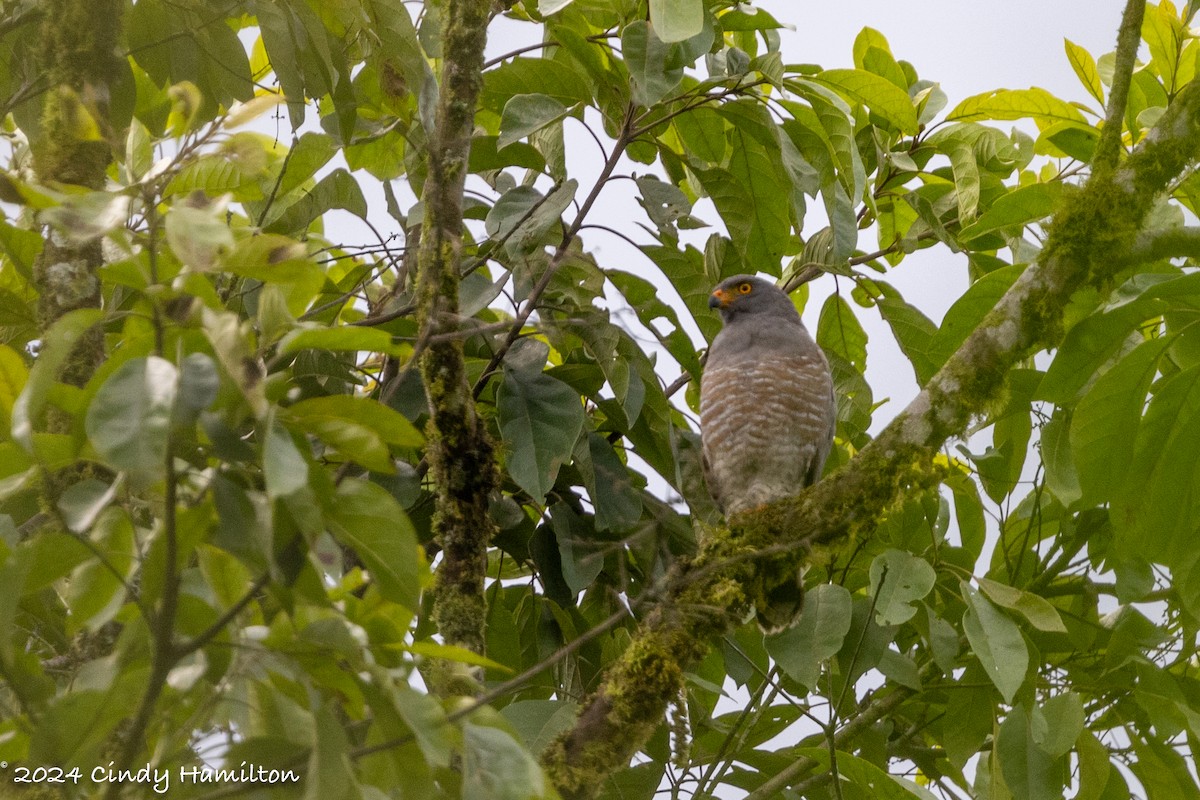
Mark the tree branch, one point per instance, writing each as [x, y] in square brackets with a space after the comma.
[459, 450]
[707, 596]
[1108, 148]
[1169, 243]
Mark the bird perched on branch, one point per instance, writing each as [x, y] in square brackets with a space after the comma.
[767, 412]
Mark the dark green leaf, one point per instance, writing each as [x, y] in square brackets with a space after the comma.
[646, 57]
[57, 346]
[816, 637]
[1029, 772]
[525, 114]
[540, 419]
[1104, 424]
[996, 641]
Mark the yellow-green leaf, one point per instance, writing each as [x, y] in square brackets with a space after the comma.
[877, 93]
[1085, 67]
[1010, 104]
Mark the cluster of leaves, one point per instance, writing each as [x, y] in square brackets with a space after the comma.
[246, 542]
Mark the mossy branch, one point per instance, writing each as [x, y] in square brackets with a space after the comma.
[708, 596]
[1168, 243]
[79, 44]
[460, 454]
[1129, 37]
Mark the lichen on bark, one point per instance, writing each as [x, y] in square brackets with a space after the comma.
[80, 59]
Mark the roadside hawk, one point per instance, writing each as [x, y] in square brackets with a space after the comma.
[767, 413]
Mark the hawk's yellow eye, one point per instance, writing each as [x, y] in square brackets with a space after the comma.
[744, 288]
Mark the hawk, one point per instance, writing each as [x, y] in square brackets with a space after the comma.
[767, 413]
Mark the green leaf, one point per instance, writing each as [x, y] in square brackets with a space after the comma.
[330, 771]
[366, 518]
[311, 152]
[358, 427]
[1021, 206]
[1163, 772]
[1061, 477]
[677, 20]
[966, 178]
[82, 502]
[817, 636]
[1057, 724]
[523, 216]
[751, 196]
[129, 420]
[876, 783]
[996, 641]
[1029, 772]
[338, 189]
[1085, 68]
[1094, 767]
[57, 345]
[913, 330]
[1012, 104]
[525, 114]
[540, 419]
[839, 332]
[1105, 422]
[1164, 35]
[557, 79]
[370, 340]
[873, 53]
[449, 652]
[95, 594]
[618, 503]
[880, 95]
[1040, 613]
[284, 469]
[199, 235]
[703, 133]
[496, 767]
[970, 310]
[85, 217]
[646, 58]
[899, 579]
[540, 721]
[1155, 508]
[13, 376]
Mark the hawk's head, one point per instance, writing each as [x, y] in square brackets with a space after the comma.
[747, 295]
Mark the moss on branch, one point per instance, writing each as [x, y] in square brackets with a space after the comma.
[459, 452]
[79, 58]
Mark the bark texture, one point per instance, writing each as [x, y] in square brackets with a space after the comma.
[460, 454]
[81, 64]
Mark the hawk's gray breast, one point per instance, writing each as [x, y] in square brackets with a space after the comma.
[767, 413]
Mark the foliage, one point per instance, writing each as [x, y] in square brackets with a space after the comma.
[246, 542]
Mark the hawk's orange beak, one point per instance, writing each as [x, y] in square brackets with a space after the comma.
[720, 299]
